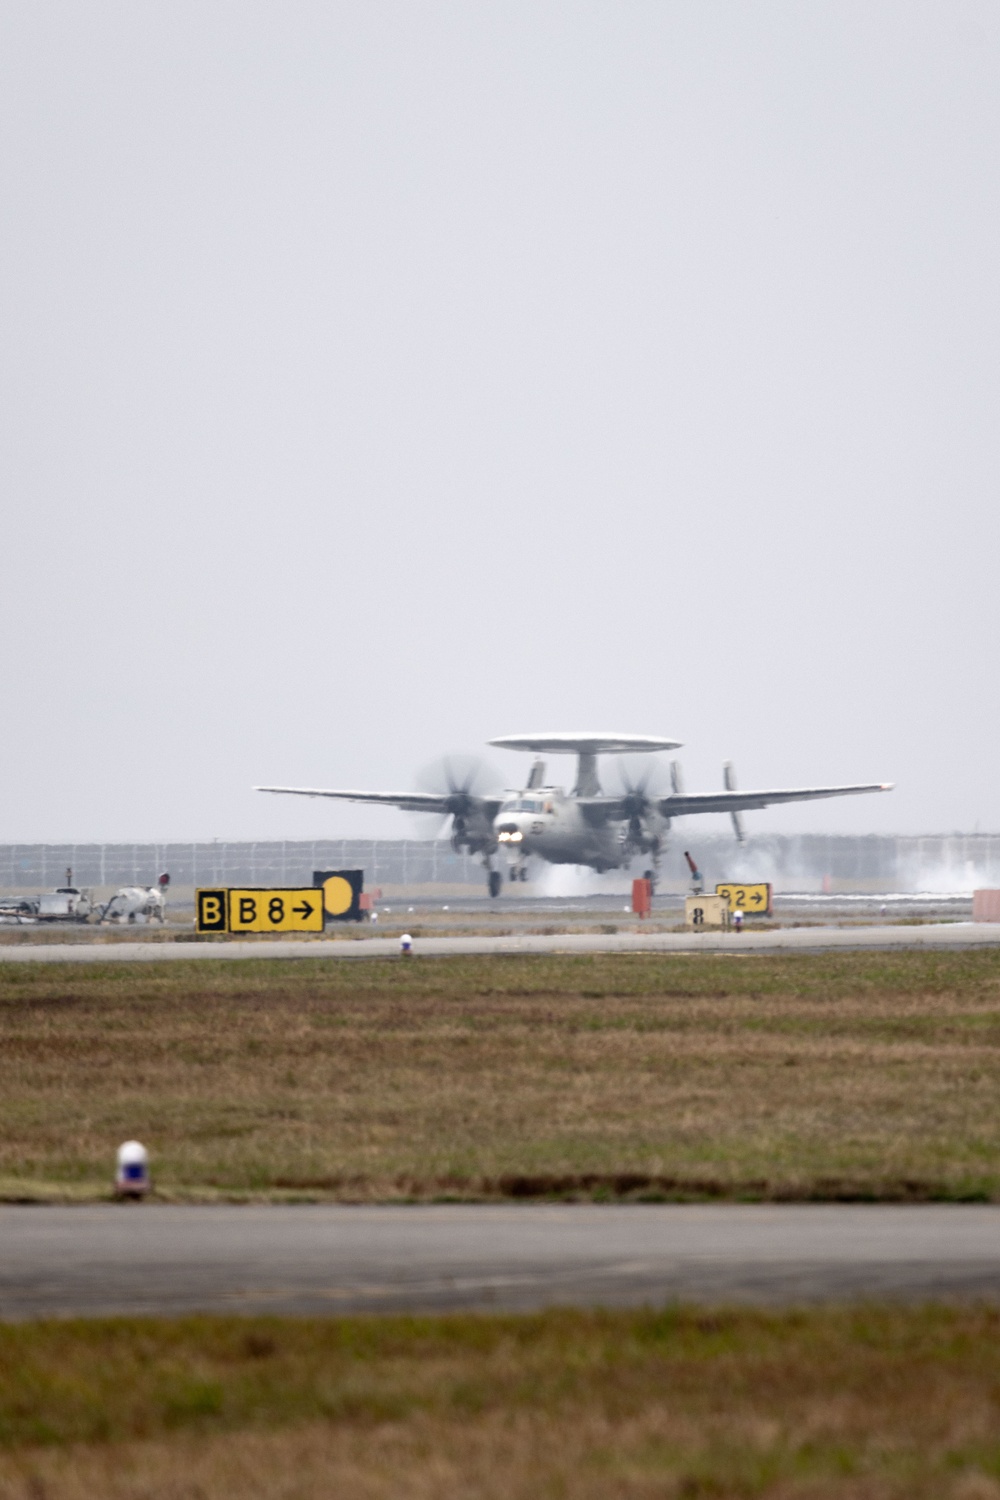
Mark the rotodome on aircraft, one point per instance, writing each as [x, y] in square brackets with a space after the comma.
[586, 826]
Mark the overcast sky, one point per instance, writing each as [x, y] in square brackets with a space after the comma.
[378, 378]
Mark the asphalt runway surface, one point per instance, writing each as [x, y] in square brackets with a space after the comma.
[163, 1259]
[795, 939]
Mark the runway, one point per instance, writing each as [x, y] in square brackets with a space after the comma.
[784, 939]
[331, 1259]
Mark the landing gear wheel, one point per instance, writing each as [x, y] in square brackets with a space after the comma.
[494, 882]
[512, 875]
[524, 873]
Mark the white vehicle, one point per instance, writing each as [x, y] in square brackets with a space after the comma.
[585, 826]
[136, 903]
[65, 904]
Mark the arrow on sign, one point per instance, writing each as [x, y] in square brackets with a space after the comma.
[305, 910]
[757, 898]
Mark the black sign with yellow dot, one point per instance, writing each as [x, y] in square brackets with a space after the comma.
[341, 893]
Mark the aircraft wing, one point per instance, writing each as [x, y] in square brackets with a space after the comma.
[408, 801]
[420, 802]
[604, 808]
[678, 804]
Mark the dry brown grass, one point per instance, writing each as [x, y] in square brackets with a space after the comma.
[870, 1403]
[845, 1075]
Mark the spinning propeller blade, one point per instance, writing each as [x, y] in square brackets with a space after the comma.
[462, 780]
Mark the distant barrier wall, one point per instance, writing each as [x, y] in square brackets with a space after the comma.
[270, 863]
[888, 862]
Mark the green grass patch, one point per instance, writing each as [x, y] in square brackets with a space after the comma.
[840, 1075]
[865, 1401]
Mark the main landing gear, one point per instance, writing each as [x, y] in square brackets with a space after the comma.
[494, 881]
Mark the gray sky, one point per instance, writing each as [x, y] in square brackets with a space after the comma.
[381, 377]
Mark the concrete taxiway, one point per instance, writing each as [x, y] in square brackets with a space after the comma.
[791, 939]
[326, 1259]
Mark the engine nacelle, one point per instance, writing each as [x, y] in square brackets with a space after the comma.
[641, 836]
[474, 834]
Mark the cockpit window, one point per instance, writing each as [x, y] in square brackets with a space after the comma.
[524, 804]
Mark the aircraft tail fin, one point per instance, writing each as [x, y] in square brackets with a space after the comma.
[537, 776]
[729, 782]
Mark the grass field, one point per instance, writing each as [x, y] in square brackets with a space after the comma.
[866, 1403]
[810, 1076]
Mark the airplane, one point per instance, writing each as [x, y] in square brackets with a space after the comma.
[585, 826]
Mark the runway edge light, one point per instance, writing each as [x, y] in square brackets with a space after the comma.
[132, 1171]
[406, 944]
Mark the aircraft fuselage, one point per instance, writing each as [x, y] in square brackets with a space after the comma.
[544, 821]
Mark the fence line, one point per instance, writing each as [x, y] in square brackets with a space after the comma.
[284, 862]
[898, 862]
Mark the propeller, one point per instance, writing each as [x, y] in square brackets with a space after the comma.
[639, 785]
[638, 790]
[461, 780]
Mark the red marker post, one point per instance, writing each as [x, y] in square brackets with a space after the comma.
[642, 897]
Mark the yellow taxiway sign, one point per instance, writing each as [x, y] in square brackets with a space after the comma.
[751, 900]
[299, 909]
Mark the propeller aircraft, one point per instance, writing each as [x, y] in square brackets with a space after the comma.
[604, 830]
